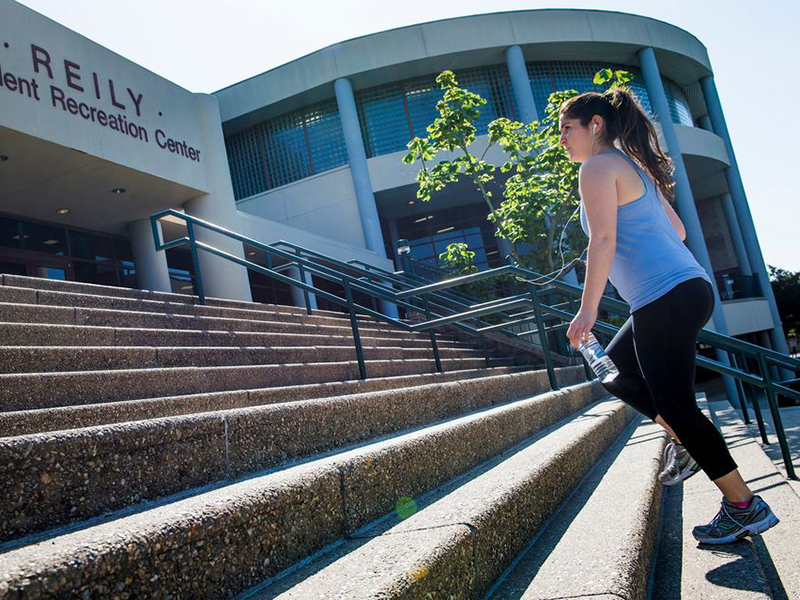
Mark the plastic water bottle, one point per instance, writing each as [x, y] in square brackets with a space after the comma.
[596, 356]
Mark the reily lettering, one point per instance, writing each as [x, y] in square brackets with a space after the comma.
[42, 61]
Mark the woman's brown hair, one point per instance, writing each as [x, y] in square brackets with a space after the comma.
[626, 121]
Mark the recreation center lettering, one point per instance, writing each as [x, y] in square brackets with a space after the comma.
[59, 99]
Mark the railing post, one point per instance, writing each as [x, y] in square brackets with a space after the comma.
[435, 346]
[483, 343]
[354, 324]
[548, 360]
[561, 342]
[198, 276]
[776, 417]
[757, 407]
[586, 369]
[302, 272]
[739, 388]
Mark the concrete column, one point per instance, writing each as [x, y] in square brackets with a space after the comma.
[357, 156]
[742, 211]
[358, 166]
[221, 278]
[521, 85]
[683, 194]
[705, 123]
[151, 266]
[736, 235]
[298, 297]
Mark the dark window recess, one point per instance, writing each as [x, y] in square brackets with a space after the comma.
[123, 251]
[429, 234]
[338, 290]
[87, 272]
[43, 238]
[91, 247]
[269, 291]
[13, 268]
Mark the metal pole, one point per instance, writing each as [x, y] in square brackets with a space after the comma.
[776, 417]
[739, 388]
[302, 272]
[198, 276]
[587, 371]
[403, 250]
[436, 357]
[756, 407]
[483, 343]
[354, 324]
[548, 360]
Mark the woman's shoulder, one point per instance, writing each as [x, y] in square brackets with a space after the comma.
[603, 165]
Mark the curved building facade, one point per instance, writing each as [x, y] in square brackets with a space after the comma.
[310, 151]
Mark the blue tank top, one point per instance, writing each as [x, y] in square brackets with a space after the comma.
[650, 258]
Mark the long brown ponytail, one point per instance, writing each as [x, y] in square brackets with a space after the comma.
[626, 121]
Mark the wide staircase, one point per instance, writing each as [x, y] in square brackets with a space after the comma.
[153, 447]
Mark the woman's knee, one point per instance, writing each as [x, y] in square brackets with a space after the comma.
[678, 409]
[633, 391]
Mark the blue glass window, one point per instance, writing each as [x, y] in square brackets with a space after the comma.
[390, 115]
[286, 148]
[547, 77]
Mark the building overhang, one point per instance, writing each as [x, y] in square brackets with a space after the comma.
[41, 177]
[397, 54]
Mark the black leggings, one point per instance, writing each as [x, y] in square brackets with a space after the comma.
[655, 355]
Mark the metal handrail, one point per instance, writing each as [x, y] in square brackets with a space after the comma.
[436, 299]
[419, 299]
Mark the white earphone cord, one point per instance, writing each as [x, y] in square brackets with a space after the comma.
[561, 247]
[561, 253]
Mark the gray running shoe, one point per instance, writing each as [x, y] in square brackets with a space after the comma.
[732, 523]
[678, 465]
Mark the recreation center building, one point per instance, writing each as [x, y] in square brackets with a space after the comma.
[92, 144]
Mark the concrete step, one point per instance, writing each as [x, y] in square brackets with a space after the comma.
[257, 312]
[47, 390]
[51, 288]
[49, 359]
[36, 283]
[43, 334]
[224, 540]
[26, 422]
[83, 473]
[597, 546]
[457, 541]
[63, 315]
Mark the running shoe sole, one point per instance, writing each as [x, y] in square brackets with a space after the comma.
[752, 529]
[685, 474]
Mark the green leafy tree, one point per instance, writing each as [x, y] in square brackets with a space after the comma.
[786, 287]
[459, 258]
[461, 261]
[542, 191]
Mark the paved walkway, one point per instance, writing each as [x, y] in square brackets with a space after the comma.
[790, 417]
[759, 568]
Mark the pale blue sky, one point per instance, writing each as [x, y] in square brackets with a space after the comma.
[204, 45]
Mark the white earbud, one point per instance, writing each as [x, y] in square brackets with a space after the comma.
[594, 129]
